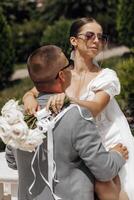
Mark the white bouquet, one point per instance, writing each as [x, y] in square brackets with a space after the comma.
[19, 130]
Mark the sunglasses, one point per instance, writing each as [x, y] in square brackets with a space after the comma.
[91, 36]
[69, 65]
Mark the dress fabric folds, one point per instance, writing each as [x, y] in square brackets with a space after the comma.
[112, 124]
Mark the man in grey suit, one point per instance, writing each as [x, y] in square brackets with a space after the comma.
[78, 152]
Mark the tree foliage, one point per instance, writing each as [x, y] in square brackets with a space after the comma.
[19, 11]
[58, 34]
[125, 22]
[27, 37]
[104, 11]
[6, 51]
[23, 16]
[125, 71]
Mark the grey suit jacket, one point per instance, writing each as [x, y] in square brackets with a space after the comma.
[79, 155]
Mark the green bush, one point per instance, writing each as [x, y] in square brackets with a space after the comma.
[6, 51]
[126, 98]
[58, 34]
[27, 38]
[125, 71]
[125, 22]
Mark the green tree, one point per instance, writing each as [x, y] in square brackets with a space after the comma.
[19, 11]
[27, 37]
[58, 34]
[125, 71]
[104, 11]
[66, 8]
[125, 22]
[6, 51]
[24, 18]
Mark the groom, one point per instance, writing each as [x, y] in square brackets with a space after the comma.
[78, 152]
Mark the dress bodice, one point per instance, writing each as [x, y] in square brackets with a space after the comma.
[112, 124]
[107, 81]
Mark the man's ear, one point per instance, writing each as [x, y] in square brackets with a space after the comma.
[62, 76]
[73, 41]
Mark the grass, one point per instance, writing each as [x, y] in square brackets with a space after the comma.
[16, 90]
[19, 66]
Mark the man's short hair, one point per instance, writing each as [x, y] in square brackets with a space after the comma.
[44, 64]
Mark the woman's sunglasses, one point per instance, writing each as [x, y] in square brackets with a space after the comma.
[91, 36]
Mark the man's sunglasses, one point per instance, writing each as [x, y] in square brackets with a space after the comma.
[70, 65]
[91, 36]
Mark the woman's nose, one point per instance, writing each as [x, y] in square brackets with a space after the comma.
[96, 39]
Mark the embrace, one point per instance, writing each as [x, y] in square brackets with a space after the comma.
[93, 147]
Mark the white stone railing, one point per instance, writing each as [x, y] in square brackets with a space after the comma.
[8, 180]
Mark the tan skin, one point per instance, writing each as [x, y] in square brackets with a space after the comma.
[84, 71]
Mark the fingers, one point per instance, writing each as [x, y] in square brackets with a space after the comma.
[30, 111]
[30, 104]
[121, 149]
[31, 108]
[48, 104]
[119, 145]
[125, 152]
[56, 102]
[60, 101]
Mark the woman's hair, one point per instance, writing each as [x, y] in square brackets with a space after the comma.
[77, 25]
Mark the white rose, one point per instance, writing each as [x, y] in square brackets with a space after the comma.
[5, 130]
[13, 143]
[13, 116]
[11, 104]
[34, 138]
[12, 112]
[19, 131]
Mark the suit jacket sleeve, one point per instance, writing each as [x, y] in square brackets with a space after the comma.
[10, 157]
[87, 142]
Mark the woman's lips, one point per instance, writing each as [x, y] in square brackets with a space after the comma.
[93, 48]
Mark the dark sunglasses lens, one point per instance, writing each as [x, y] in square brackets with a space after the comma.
[89, 35]
[70, 64]
[103, 38]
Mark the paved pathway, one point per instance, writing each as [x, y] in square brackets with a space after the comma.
[118, 51]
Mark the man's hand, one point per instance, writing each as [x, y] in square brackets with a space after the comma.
[121, 149]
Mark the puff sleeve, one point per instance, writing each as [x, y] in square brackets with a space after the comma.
[108, 82]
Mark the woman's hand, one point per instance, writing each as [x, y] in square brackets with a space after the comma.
[55, 103]
[30, 104]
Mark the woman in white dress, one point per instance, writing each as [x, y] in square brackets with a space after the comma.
[95, 89]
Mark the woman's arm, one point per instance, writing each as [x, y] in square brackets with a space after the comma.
[99, 102]
[30, 102]
[95, 106]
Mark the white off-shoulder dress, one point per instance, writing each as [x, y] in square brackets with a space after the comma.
[112, 124]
